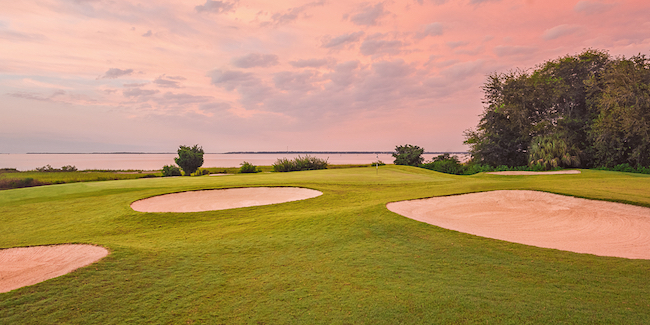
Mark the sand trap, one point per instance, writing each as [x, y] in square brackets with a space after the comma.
[25, 266]
[540, 219]
[222, 199]
[557, 172]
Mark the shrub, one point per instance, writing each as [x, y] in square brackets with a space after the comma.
[247, 167]
[69, 168]
[626, 168]
[205, 172]
[378, 163]
[408, 155]
[549, 152]
[50, 169]
[284, 165]
[189, 158]
[445, 163]
[310, 163]
[171, 170]
[300, 163]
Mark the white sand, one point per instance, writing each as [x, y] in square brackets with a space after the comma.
[25, 266]
[540, 219]
[557, 172]
[222, 199]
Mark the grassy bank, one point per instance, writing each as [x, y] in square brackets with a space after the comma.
[11, 178]
[21, 179]
[341, 258]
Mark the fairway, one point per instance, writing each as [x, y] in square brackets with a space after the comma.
[338, 258]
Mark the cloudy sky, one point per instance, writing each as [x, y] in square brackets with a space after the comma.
[252, 75]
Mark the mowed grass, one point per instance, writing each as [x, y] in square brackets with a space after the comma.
[340, 258]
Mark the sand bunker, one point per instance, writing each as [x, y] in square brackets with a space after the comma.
[25, 266]
[558, 172]
[231, 198]
[540, 219]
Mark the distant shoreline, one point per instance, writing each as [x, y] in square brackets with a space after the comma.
[243, 153]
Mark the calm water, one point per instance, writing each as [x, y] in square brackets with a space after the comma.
[157, 161]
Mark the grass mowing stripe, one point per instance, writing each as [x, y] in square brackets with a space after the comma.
[338, 258]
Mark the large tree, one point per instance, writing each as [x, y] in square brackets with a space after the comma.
[189, 158]
[524, 107]
[621, 101]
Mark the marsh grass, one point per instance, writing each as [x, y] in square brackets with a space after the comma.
[340, 258]
[47, 178]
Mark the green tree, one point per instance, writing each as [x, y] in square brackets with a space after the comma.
[552, 100]
[621, 102]
[189, 158]
[408, 155]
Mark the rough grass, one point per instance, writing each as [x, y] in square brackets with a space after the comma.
[340, 258]
[8, 180]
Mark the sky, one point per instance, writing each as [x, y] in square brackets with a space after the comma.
[251, 75]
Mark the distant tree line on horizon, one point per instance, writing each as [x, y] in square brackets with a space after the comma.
[587, 110]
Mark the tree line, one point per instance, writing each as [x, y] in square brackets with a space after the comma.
[586, 110]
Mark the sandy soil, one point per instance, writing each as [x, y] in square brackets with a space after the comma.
[540, 219]
[222, 199]
[558, 172]
[25, 266]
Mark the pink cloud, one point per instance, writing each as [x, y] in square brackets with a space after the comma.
[559, 31]
[287, 72]
[369, 15]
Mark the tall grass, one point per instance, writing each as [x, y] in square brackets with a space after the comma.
[35, 178]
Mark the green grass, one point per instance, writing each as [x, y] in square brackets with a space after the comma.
[72, 177]
[340, 258]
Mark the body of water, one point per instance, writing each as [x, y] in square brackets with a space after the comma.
[25, 162]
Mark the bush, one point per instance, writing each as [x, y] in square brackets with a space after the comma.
[549, 152]
[445, 163]
[626, 168]
[300, 163]
[171, 170]
[247, 167]
[284, 165]
[310, 163]
[205, 172]
[408, 155]
[50, 169]
[189, 158]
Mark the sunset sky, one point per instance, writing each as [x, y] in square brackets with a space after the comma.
[251, 75]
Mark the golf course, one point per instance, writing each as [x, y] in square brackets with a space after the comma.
[340, 257]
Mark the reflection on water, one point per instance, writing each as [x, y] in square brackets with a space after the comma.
[157, 161]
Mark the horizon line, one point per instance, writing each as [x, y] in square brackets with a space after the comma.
[234, 152]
